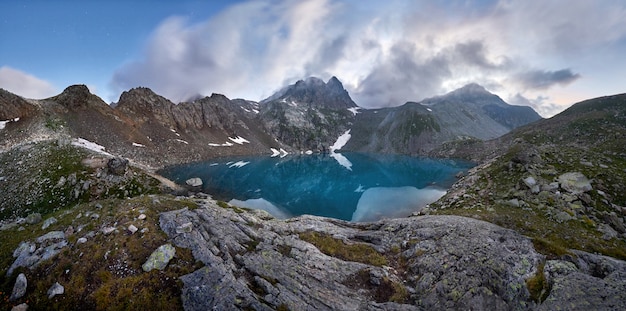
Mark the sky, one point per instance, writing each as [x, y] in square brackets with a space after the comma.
[545, 54]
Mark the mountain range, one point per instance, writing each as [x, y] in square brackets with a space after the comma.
[307, 116]
[538, 224]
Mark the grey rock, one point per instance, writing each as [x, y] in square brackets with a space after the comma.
[575, 182]
[81, 240]
[52, 235]
[451, 262]
[20, 307]
[529, 181]
[33, 218]
[608, 233]
[8, 226]
[56, 289]
[590, 282]
[194, 182]
[562, 216]
[551, 187]
[48, 222]
[117, 166]
[159, 258]
[184, 228]
[513, 203]
[107, 230]
[19, 289]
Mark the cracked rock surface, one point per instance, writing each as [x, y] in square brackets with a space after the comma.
[254, 261]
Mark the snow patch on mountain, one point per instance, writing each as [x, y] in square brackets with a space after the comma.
[341, 141]
[3, 124]
[239, 140]
[81, 142]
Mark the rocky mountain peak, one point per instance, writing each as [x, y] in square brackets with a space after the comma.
[78, 97]
[315, 92]
[141, 98]
[470, 91]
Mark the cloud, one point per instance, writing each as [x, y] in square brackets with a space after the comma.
[541, 104]
[248, 51]
[543, 79]
[385, 53]
[24, 84]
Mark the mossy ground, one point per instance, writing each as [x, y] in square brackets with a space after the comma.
[358, 252]
[105, 272]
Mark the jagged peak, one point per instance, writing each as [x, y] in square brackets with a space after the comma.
[141, 98]
[141, 90]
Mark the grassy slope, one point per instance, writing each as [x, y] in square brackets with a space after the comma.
[592, 132]
[105, 272]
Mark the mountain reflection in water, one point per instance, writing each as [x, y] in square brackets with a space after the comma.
[374, 186]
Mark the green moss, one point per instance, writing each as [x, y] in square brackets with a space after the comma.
[55, 124]
[538, 286]
[358, 252]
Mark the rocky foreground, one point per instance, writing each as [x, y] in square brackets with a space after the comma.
[420, 263]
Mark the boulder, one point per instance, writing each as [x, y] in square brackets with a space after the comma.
[117, 166]
[20, 307]
[529, 181]
[48, 222]
[575, 183]
[33, 218]
[56, 289]
[19, 289]
[159, 258]
[194, 182]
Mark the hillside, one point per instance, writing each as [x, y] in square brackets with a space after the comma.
[561, 181]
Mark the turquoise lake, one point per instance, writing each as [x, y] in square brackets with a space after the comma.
[348, 186]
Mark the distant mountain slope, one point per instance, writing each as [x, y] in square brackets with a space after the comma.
[308, 115]
[470, 112]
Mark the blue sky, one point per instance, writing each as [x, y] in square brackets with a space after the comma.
[546, 54]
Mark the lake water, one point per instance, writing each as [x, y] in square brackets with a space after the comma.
[348, 186]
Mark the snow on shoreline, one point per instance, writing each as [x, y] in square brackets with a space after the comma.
[341, 141]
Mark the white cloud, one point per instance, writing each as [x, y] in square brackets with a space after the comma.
[386, 53]
[23, 84]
